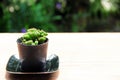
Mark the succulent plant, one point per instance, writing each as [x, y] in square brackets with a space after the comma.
[34, 36]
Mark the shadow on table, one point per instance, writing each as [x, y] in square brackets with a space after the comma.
[50, 76]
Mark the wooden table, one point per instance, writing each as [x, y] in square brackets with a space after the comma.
[83, 56]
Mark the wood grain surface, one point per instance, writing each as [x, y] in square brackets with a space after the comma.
[83, 56]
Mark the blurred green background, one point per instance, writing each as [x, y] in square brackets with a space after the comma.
[60, 15]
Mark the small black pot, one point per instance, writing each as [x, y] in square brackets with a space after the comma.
[37, 52]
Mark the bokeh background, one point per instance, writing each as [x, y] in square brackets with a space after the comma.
[60, 15]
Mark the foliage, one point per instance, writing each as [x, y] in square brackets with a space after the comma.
[60, 15]
[34, 36]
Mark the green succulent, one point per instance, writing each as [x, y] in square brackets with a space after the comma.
[34, 36]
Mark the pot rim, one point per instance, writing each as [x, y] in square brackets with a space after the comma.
[19, 42]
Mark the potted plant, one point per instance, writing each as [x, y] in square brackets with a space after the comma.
[31, 63]
[32, 48]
